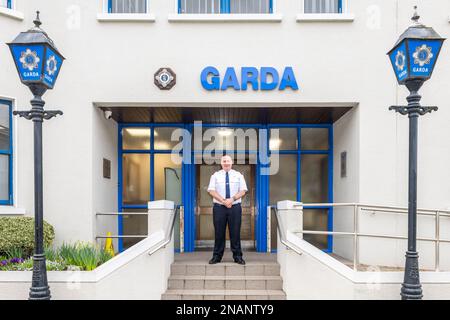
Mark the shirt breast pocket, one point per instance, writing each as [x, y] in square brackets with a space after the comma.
[234, 182]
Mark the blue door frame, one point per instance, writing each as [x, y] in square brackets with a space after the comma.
[188, 173]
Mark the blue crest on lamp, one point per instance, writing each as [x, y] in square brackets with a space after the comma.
[37, 60]
[415, 54]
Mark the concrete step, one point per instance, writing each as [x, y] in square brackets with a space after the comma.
[224, 295]
[225, 282]
[225, 269]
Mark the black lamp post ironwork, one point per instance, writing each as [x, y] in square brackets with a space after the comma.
[413, 59]
[38, 63]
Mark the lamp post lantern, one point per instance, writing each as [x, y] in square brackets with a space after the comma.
[413, 59]
[38, 63]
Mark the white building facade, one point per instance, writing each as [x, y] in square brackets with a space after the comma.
[315, 73]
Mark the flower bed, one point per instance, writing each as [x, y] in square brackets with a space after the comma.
[71, 257]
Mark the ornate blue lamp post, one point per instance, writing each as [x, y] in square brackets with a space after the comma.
[38, 63]
[413, 59]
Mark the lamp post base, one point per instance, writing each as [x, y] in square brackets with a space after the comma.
[411, 287]
[39, 289]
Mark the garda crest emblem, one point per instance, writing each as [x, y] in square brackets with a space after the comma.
[165, 78]
[29, 59]
[400, 61]
[423, 55]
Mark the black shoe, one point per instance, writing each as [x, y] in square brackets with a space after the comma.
[239, 260]
[214, 260]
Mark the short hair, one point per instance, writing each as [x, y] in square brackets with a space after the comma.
[226, 155]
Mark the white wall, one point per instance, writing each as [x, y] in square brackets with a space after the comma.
[104, 191]
[334, 62]
[314, 275]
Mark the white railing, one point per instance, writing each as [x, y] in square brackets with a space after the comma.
[356, 234]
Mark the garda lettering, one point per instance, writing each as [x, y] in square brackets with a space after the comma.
[267, 78]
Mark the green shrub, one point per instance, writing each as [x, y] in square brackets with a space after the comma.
[18, 233]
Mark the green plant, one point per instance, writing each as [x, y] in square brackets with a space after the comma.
[51, 254]
[15, 252]
[18, 232]
[81, 255]
[56, 265]
[68, 253]
[27, 265]
[88, 257]
[104, 256]
[84, 255]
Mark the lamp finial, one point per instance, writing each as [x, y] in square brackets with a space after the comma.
[416, 16]
[37, 22]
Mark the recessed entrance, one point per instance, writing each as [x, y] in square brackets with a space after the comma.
[149, 170]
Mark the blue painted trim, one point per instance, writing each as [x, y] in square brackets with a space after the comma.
[152, 165]
[340, 6]
[110, 6]
[9, 4]
[299, 166]
[330, 186]
[189, 178]
[188, 187]
[120, 186]
[301, 152]
[9, 153]
[225, 6]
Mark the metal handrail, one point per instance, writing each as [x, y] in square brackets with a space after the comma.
[168, 233]
[356, 234]
[351, 204]
[121, 213]
[283, 238]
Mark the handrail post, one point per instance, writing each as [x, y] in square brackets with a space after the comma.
[437, 242]
[355, 237]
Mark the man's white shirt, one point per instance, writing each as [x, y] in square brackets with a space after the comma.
[237, 184]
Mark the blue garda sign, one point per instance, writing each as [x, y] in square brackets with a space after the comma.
[415, 59]
[423, 57]
[265, 78]
[37, 64]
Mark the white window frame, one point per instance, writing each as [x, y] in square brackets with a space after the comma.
[345, 16]
[13, 12]
[105, 16]
[226, 17]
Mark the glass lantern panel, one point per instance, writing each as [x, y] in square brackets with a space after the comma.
[53, 63]
[399, 62]
[29, 60]
[423, 56]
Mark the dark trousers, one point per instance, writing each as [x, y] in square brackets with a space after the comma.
[233, 217]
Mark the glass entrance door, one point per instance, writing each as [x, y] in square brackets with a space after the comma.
[204, 209]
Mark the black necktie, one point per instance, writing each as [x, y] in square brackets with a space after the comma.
[227, 187]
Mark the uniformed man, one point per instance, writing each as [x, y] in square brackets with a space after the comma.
[227, 187]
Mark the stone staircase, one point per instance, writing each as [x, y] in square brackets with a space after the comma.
[192, 278]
